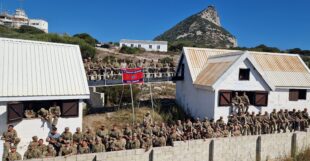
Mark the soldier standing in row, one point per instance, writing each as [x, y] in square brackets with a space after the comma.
[55, 113]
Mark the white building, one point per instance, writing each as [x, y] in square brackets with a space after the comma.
[40, 73]
[19, 18]
[161, 46]
[207, 80]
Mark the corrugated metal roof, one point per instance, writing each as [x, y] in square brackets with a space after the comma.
[31, 68]
[144, 42]
[215, 68]
[281, 70]
[197, 58]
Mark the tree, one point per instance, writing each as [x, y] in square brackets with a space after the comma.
[87, 38]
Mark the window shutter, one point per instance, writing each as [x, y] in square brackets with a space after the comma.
[293, 95]
[70, 109]
[15, 112]
[225, 98]
[261, 98]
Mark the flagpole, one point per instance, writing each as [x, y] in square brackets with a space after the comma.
[152, 100]
[132, 105]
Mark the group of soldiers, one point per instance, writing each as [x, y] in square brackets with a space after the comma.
[152, 134]
[100, 70]
[51, 115]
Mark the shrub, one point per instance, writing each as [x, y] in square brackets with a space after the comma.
[29, 30]
[129, 50]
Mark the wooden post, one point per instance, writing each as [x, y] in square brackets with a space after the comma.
[132, 105]
[152, 100]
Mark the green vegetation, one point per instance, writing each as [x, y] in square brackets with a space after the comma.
[31, 33]
[87, 38]
[305, 54]
[130, 50]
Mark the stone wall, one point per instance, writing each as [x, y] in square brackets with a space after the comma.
[243, 148]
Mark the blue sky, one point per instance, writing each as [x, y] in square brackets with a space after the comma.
[280, 23]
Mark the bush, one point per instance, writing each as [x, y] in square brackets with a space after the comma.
[129, 50]
[29, 30]
[31, 33]
[87, 38]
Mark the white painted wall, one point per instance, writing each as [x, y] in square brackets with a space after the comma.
[199, 102]
[31, 127]
[163, 48]
[232, 82]
[40, 24]
[278, 99]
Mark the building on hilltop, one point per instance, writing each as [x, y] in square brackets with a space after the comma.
[36, 75]
[19, 18]
[207, 79]
[161, 46]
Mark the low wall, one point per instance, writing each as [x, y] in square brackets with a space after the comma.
[243, 148]
[96, 98]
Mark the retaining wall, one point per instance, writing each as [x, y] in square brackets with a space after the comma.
[243, 148]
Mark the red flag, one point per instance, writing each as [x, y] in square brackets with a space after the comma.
[132, 75]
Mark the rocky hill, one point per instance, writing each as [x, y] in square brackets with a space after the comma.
[201, 30]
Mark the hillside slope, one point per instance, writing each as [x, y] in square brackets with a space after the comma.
[201, 30]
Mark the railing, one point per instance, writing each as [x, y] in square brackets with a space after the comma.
[112, 76]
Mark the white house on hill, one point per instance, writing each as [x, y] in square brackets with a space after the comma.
[207, 80]
[34, 75]
[161, 46]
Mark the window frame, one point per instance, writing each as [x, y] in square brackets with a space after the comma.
[247, 77]
[295, 94]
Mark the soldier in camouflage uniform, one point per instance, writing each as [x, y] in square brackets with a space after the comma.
[273, 121]
[50, 152]
[66, 149]
[41, 146]
[103, 133]
[98, 147]
[77, 136]
[66, 135]
[55, 113]
[29, 113]
[11, 136]
[32, 153]
[45, 115]
[13, 155]
[35, 142]
[84, 149]
[134, 142]
[88, 135]
[147, 119]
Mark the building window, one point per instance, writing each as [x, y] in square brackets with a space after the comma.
[158, 47]
[256, 98]
[139, 46]
[297, 94]
[150, 46]
[132, 45]
[244, 74]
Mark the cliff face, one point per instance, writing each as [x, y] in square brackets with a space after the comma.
[202, 30]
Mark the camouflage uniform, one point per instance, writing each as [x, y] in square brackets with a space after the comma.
[55, 113]
[32, 153]
[13, 155]
[11, 137]
[66, 150]
[50, 152]
[77, 136]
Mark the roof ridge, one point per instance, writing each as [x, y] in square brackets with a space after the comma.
[37, 42]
